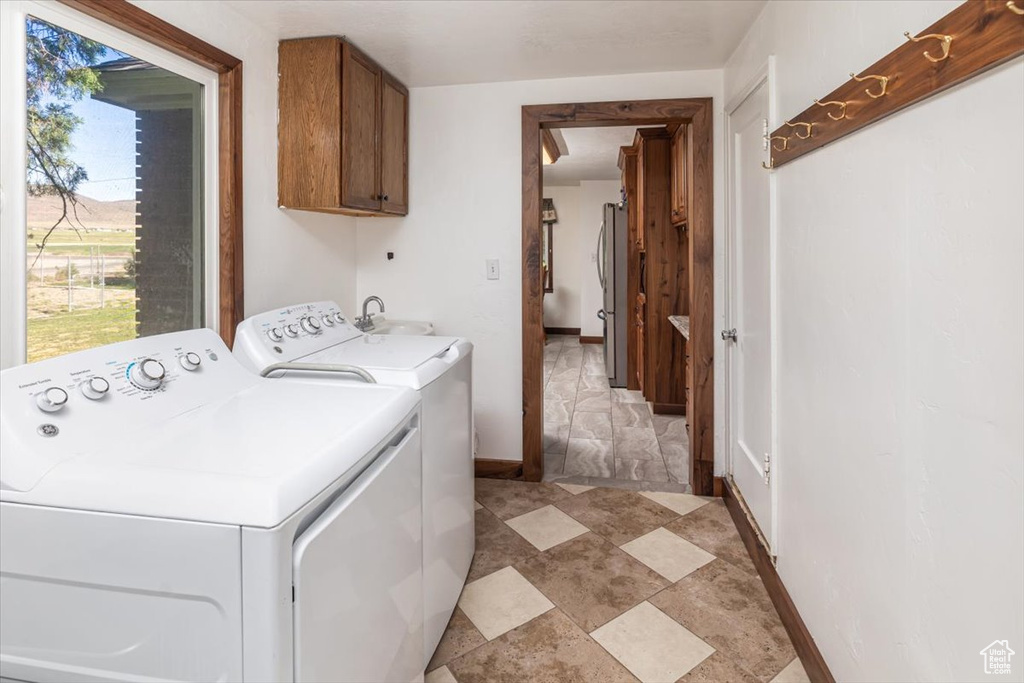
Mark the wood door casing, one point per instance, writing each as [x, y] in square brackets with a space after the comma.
[309, 123]
[394, 146]
[360, 142]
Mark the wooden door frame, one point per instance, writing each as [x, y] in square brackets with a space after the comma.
[697, 112]
[127, 17]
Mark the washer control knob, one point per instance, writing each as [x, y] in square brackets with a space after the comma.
[94, 388]
[190, 361]
[291, 330]
[51, 399]
[339, 317]
[311, 325]
[148, 374]
[274, 334]
[329, 321]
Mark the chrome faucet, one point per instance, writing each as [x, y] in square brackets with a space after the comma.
[365, 321]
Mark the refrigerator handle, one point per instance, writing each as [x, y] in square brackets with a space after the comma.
[600, 254]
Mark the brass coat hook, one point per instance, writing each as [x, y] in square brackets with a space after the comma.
[841, 105]
[1012, 6]
[946, 42]
[785, 142]
[808, 129]
[770, 166]
[884, 80]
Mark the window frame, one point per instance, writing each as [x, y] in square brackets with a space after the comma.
[124, 27]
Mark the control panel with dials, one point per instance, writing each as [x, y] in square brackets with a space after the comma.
[81, 401]
[294, 332]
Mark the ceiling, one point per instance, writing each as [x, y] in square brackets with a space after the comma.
[593, 155]
[440, 42]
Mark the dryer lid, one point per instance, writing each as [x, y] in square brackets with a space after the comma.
[384, 352]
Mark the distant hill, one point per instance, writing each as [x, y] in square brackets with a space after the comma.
[94, 214]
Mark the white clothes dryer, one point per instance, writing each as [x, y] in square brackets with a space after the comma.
[167, 515]
[440, 369]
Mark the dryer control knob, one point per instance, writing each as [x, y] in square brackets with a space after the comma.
[311, 325]
[329, 321]
[274, 334]
[339, 317]
[51, 399]
[291, 330]
[148, 374]
[190, 361]
[95, 388]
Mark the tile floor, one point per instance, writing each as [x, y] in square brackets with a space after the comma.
[597, 435]
[573, 583]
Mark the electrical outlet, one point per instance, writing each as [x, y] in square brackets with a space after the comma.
[492, 269]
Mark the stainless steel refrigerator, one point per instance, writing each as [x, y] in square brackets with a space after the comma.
[611, 272]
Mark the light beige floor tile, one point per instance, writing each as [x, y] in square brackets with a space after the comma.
[501, 601]
[594, 382]
[591, 426]
[627, 396]
[669, 555]
[477, 506]
[636, 443]
[560, 388]
[593, 401]
[548, 526]
[441, 675]
[682, 503]
[574, 489]
[556, 436]
[558, 410]
[639, 470]
[793, 673]
[652, 645]
[589, 458]
[630, 415]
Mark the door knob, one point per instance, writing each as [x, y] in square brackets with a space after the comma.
[729, 335]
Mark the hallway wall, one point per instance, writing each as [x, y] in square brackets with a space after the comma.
[901, 396]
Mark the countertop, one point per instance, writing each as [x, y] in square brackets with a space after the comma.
[681, 323]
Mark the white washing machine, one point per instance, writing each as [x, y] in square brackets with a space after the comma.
[167, 515]
[440, 369]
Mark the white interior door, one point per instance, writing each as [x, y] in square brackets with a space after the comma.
[749, 316]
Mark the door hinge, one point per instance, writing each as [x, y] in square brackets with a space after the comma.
[764, 138]
[767, 469]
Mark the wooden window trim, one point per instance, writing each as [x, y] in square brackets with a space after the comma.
[698, 112]
[127, 17]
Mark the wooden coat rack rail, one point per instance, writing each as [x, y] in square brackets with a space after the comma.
[973, 38]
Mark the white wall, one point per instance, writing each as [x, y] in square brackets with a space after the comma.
[290, 256]
[562, 307]
[465, 206]
[594, 194]
[900, 401]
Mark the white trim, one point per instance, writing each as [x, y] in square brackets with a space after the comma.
[13, 307]
[764, 76]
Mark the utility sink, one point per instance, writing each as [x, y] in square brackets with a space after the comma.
[414, 327]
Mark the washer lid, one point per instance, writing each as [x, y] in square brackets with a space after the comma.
[249, 459]
[384, 351]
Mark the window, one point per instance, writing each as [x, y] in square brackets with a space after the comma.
[120, 233]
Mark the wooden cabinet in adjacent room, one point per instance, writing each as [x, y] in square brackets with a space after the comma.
[343, 131]
[680, 145]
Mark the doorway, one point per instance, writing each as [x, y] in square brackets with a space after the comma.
[750, 311]
[696, 114]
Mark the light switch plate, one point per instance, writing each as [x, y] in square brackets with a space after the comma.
[493, 272]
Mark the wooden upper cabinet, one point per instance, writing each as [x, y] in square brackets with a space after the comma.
[680, 168]
[342, 131]
[394, 129]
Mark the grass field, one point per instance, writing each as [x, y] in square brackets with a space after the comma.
[68, 242]
[66, 332]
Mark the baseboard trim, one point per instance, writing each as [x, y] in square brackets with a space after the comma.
[591, 340]
[571, 331]
[669, 408]
[498, 469]
[803, 642]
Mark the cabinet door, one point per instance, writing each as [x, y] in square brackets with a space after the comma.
[394, 144]
[679, 171]
[360, 142]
